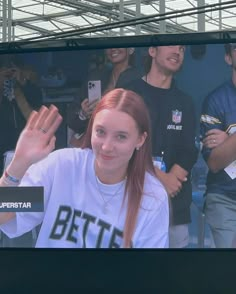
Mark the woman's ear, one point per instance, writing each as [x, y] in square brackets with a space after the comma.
[131, 51]
[142, 139]
[228, 59]
[152, 51]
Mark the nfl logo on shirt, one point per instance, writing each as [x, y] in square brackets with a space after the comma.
[176, 116]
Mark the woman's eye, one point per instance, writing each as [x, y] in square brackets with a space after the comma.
[99, 132]
[121, 137]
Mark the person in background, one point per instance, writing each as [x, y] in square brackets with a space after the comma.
[173, 133]
[19, 94]
[118, 70]
[105, 195]
[217, 127]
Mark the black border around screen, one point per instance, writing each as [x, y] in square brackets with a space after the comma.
[165, 271]
[217, 37]
[177, 271]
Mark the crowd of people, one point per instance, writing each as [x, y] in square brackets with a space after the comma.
[128, 181]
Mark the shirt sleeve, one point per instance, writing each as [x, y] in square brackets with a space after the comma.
[210, 119]
[36, 175]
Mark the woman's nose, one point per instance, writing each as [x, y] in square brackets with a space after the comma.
[108, 144]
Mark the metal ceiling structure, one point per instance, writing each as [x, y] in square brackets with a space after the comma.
[42, 19]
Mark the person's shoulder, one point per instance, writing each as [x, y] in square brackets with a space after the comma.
[155, 194]
[179, 92]
[134, 84]
[132, 70]
[217, 95]
[73, 155]
[221, 90]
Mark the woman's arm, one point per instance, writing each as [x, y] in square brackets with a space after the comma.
[36, 141]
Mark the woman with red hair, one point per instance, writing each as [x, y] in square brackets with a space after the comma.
[102, 195]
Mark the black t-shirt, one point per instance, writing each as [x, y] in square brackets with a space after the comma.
[173, 125]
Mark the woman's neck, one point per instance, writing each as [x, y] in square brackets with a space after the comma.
[108, 177]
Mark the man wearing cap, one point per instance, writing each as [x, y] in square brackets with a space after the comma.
[218, 130]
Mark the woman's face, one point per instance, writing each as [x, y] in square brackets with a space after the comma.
[114, 138]
[118, 55]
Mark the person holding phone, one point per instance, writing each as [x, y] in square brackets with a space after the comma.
[103, 195]
[121, 70]
[19, 95]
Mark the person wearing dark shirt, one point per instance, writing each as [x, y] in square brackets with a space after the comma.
[19, 95]
[173, 134]
[218, 127]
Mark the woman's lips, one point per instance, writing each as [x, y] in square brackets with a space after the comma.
[106, 157]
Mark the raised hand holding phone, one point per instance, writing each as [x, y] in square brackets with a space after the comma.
[94, 95]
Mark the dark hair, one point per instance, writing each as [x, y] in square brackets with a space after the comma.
[132, 58]
[9, 60]
[141, 160]
[147, 63]
[228, 48]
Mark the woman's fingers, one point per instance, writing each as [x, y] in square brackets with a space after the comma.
[51, 145]
[46, 120]
[52, 124]
[43, 114]
[31, 120]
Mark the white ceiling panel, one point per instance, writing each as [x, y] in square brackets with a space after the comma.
[30, 18]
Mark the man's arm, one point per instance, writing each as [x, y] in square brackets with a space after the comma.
[22, 103]
[32, 146]
[219, 148]
[179, 172]
[223, 154]
[172, 181]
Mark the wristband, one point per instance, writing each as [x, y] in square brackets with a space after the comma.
[10, 178]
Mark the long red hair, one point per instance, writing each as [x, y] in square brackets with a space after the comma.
[141, 160]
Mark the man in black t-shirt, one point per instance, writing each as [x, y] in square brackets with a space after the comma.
[173, 133]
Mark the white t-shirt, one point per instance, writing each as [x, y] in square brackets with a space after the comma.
[73, 216]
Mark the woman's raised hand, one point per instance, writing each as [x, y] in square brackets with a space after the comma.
[37, 139]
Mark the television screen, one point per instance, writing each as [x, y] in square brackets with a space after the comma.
[65, 72]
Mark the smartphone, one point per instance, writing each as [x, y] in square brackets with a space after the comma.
[94, 90]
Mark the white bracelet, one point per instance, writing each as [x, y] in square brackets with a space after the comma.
[82, 115]
[10, 180]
